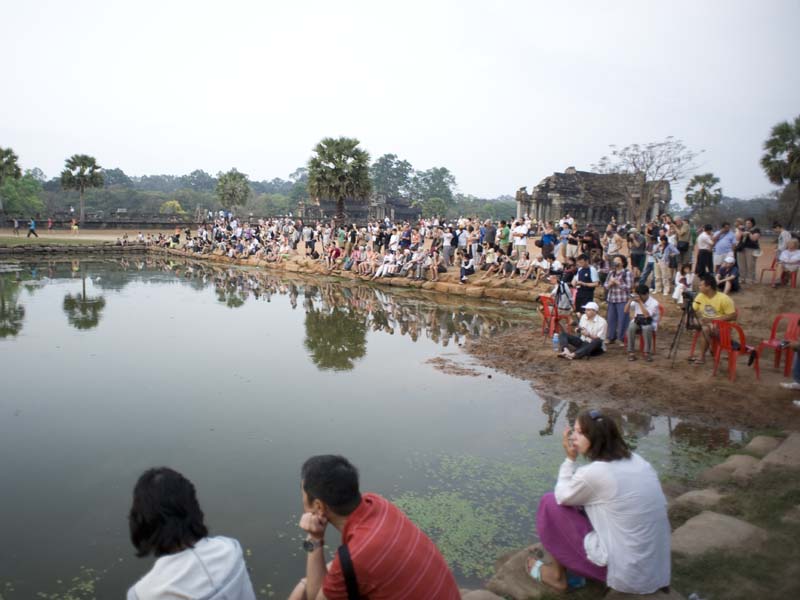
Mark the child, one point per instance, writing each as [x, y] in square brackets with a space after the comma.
[683, 282]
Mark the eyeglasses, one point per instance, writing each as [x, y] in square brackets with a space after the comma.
[595, 415]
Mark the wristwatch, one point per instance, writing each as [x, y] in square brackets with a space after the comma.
[310, 544]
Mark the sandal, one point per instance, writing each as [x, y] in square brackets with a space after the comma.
[631, 357]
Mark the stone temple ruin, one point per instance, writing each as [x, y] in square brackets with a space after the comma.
[589, 197]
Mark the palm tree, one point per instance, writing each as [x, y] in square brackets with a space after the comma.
[339, 171]
[83, 312]
[81, 172]
[781, 160]
[703, 191]
[9, 169]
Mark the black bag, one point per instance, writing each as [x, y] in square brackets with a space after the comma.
[641, 320]
[683, 247]
[349, 572]
[673, 261]
[538, 243]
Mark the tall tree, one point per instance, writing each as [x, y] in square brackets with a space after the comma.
[116, 177]
[340, 171]
[437, 182]
[781, 160]
[233, 189]
[9, 169]
[199, 181]
[81, 173]
[703, 191]
[22, 196]
[641, 171]
[391, 177]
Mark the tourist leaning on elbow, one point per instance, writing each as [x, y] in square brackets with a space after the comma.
[591, 338]
[606, 520]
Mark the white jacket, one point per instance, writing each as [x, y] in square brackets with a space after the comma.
[213, 570]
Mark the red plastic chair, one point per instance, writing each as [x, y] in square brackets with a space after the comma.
[713, 340]
[792, 334]
[550, 317]
[771, 268]
[725, 344]
[661, 311]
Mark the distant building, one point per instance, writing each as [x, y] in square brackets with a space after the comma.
[589, 197]
[376, 209]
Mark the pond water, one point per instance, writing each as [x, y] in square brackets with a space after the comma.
[234, 377]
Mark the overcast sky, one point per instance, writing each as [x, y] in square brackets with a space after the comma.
[501, 93]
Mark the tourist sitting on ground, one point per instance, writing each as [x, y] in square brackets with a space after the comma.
[683, 282]
[521, 266]
[644, 314]
[488, 258]
[727, 275]
[332, 256]
[387, 266]
[369, 525]
[710, 305]
[788, 261]
[591, 338]
[540, 267]
[467, 266]
[607, 520]
[505, 267]
[438, 264]
[166, 521]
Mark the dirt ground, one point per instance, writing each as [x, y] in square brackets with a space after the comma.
[662, 387]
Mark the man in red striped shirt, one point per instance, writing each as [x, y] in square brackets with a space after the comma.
[391, 558]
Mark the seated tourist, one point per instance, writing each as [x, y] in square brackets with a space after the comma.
[728, 275]
[390, 557]
[607, 520]
[166, 521]
[332, 256]
[710, 305]
[644, 314]
[788, 261]
[467, 265]
[522, 265]
[591, 338]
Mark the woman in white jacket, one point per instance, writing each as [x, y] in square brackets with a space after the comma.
[166, 521]
[607, 520]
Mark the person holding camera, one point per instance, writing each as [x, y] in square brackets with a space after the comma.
[618, 286]
[710, 305]
[644, 314]
[591, 338]
[748, 249]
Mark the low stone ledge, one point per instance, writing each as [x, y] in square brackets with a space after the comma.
[787, 454]
[761, 445]
[714, 531]
[707, 498]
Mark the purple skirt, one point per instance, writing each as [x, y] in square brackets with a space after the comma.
[561, 531]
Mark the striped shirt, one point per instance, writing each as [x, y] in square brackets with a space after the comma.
[392, 558]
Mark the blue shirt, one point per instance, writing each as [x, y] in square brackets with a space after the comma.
[725, 243]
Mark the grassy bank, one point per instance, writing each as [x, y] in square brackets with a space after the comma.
[21, 240]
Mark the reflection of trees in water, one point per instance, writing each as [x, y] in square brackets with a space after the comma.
[12, 314]
[335, 338]
[83, 312]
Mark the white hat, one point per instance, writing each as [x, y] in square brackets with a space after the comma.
[591, 305]
[730, 260]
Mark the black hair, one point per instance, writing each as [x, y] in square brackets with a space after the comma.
[605, 440]
[582, 257]
[332, 479]
[165, 516]
[710, 281]
[643, 289]
[708, 227]
[752, 220]
[623, 260]
[775, 225]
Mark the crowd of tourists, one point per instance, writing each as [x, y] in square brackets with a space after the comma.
[606, 521]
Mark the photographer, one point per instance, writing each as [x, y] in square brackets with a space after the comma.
[636, 248]
[644, 314]
[592, 330]
[748, 249]
[710, 305]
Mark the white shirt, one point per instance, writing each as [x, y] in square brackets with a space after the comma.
[651, 304]
[789, 257]
[596, 328]
[783, 239]
[520, 240]
[705, 241]
[628, 511]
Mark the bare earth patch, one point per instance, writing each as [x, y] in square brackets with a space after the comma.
[445, 365]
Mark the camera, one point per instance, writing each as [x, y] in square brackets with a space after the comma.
[689, 296]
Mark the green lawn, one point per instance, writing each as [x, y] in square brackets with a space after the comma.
[12, 240]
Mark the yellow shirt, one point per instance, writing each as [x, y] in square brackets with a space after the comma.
[713, 308]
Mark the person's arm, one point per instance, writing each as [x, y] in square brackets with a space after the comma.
[572, 489]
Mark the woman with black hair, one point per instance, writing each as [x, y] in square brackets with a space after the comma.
[606, 520]
[166, 521]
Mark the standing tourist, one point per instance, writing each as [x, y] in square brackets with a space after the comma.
[618, 287]
[683, 235]
[32, 228]
[705, 258]
[586, 280]
[748, 251]
[606, 520]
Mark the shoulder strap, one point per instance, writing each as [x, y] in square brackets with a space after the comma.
[349, 572]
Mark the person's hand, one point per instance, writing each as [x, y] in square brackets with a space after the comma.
[571, 451]
[314, 525]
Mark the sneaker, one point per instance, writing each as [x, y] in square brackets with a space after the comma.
[791, 386]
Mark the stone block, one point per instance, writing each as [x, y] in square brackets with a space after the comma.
[475, 292]
[510, 579]
[480, 595]
[787, 454]
[737, 461]
[707, 498]
[714, 531]
[715, 474]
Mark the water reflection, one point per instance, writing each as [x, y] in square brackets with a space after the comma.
[83, 312]
[12, 314]
[335, 337]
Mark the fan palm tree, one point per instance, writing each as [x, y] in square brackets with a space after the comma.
[9, 169]
[703, 191]
[781, 160]
[83, 312]
[339, 171]
[81, 172]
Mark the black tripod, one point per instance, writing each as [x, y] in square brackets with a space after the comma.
[687, 322]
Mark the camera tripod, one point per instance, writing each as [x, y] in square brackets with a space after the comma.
[687, 322]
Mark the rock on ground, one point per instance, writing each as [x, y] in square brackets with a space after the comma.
[739, 467]
[785, 455]
[715, 531]
[707, 498]
[761, 445]
[511, 580]
[793, 516]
